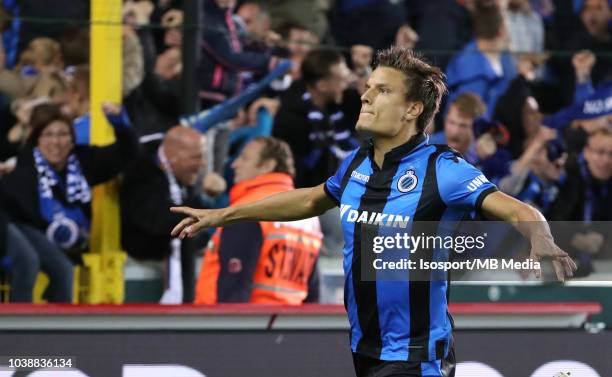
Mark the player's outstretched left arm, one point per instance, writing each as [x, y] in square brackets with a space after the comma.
[285, 206]
[532, 224]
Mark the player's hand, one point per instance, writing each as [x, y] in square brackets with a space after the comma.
[562, 263]
[196, 221]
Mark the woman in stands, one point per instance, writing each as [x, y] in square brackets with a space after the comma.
[48, 200]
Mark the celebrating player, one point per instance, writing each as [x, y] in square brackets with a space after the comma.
[398, 328]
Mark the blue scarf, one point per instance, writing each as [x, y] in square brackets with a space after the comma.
[68, 224]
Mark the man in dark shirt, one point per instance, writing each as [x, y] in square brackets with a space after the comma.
[151, 185]
[317, 117]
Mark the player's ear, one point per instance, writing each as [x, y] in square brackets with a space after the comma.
[414, 110]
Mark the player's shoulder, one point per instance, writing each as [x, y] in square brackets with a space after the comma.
[444, 152]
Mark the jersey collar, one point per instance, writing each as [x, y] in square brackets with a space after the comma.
[400, 151]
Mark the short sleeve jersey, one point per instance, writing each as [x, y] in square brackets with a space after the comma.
[401, 320]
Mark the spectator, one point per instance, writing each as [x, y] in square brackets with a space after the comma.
[361, 59]
[588, 30]
[317, 117]
[265, 262]
[579, 120]
[518, 110]
[15, 137]
[77, 104]
[371, 22]
[483, 66]
[525, 27]
[223, 56]
[151, 185]
[172, 22]
[299, 41]
[154, 105]
[38, 64]
[57, 16]
[41, 55]
[586, 196]
[257, 122]
[536, 176]
[74, 44]
[312, 15]
[48, 196]
[583, 62]
[21, 268]
[441, 25]
[132, 61]
[254, 18]
[477, 140]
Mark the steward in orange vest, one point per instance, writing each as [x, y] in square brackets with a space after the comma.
[261, 262]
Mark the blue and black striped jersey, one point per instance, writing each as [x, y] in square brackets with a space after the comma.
[401, 319]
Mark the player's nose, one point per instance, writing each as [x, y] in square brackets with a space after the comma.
[365, 97]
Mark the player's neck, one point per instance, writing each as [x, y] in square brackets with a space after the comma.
[382, 145]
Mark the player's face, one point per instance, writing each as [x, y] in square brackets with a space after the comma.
[384, 103]
[598, 155]
[458, 129]
[248, 164]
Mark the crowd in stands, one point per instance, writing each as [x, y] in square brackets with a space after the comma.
[529, 103]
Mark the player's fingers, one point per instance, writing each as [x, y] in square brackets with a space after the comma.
[560, 253]
[181, 226]
[570, 266]
[553, 252]
[185, 211]
[194, 229]
[559, 270]
[536, 271]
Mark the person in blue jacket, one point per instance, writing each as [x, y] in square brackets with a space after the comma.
[223, 56]
[483, 66]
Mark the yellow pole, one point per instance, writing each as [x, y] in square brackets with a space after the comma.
[105, 85]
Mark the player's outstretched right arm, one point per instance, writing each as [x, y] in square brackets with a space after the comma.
[285, 206]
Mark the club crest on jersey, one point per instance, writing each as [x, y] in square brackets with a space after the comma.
[407, 182]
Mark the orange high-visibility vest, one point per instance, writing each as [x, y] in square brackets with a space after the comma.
[287, 256]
